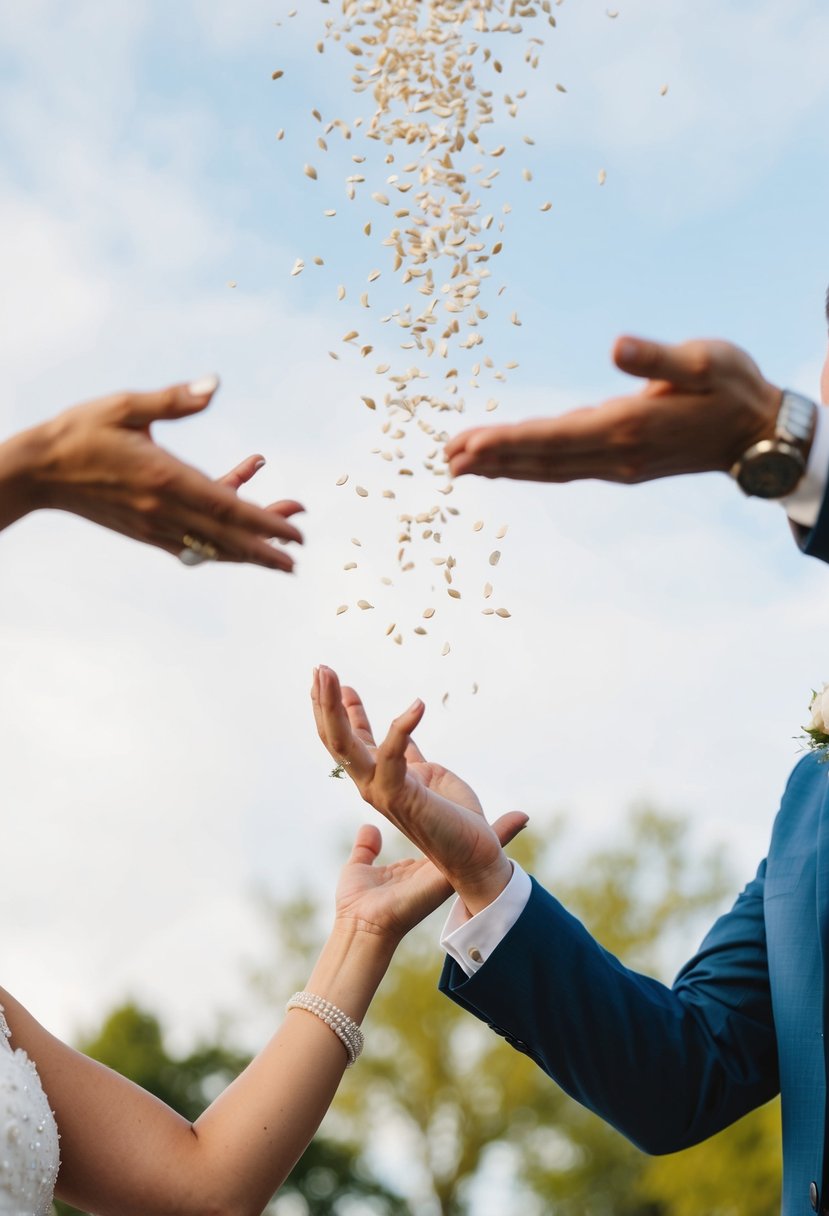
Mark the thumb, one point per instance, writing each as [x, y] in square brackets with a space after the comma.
[178, 401]
[508, 826]
[367, 845]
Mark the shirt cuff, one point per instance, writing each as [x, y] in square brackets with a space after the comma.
[470, 940]
[803, 505]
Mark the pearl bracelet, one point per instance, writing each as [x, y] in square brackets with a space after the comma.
[344, 1027]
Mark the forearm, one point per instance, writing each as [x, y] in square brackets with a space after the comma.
[666, 1066]
[253, 1134]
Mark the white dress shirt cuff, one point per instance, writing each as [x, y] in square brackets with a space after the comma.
[470, 940]
[803, 506]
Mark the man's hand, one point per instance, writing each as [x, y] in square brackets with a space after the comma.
[99, 460]
[705, 402]
[438, 811]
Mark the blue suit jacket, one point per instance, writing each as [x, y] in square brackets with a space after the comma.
[743, 1021]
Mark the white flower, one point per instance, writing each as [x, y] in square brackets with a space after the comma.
[820, 711]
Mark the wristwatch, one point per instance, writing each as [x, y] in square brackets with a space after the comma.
[773, 467]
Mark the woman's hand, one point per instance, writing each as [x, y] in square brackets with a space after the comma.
[387, 899]
[99, 460]
[433, 807]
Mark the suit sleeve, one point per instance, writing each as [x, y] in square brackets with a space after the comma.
[815, 541]
[666, 1066]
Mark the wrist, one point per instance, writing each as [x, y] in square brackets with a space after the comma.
[761, 417]
[482, 889]
[351, 965]
[20, 458]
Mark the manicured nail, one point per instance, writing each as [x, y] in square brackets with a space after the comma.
[260, 464]
[416, 704]
[205, 386]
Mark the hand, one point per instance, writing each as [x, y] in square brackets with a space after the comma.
[436, 810]
[704, 404]
[387, 899]
[99, 460]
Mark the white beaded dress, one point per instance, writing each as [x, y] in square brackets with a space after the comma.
[29, 1156]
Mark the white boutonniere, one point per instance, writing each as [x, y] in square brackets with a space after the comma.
[817, 732]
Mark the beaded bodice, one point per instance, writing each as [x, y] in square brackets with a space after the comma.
[29, 1155]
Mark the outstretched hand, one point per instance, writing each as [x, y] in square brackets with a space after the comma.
[705, 402]
[433, 807]
[99, 460]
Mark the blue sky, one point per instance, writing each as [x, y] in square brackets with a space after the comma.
[159, 753]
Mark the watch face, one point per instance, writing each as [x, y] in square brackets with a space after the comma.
[771, 474]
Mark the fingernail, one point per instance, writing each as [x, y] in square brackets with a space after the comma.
[205, 386]
[628, 350]
[416, 704]
[261, 462]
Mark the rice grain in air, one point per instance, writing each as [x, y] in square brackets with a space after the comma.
[342, 608]
[494, 558]
[342, 480]
[364, 604]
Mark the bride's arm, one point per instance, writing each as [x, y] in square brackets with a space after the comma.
[124, 1153]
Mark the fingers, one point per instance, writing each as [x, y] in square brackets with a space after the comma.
[242, 473]
[178, 401]
[335, 728]
[397, 741]
[285, 507]
[413, 754]
[357, 715]
[692, 365]
[507, 827]
[367, 845]
[561, 448]
[221, 504]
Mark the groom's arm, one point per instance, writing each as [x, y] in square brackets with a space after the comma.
[666, 1066]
